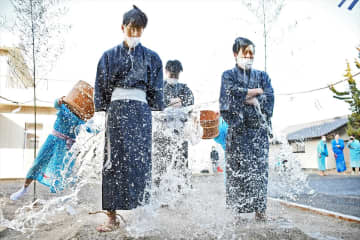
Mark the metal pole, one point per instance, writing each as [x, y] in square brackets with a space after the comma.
[34, 74]
[265, 33]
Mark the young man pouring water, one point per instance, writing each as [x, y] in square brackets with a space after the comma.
[171, 135]
[246, 104]
[129, 85]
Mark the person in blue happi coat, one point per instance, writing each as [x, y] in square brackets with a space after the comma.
[322, 154]
[246, 104]
[221, 139]
[54, 160]
[223, 129]
[354, 146]
[128, 86]
[337, 147]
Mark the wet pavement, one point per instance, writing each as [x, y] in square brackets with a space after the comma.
[200, 214]
[347, 185]
[337, 193]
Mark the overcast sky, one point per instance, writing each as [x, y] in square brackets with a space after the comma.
[308, 45]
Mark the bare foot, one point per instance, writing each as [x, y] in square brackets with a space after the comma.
[107, 227]
[111, 225]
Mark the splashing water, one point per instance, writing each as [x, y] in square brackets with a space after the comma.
[286, 179]
[199, 208]
[170, 149]
[202, 213]
[87, 151]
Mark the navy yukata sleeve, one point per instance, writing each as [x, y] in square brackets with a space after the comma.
[103, 89]
[267, 99]
[155, 93]
[232, 99]
[188, 97]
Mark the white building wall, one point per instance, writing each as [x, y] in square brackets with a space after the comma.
[309, 158]
[15, 160]
[4, 72]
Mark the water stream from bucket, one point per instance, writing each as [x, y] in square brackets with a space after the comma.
[195, 210]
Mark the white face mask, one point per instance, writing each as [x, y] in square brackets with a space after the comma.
[132, 41]
[244, 63]
[172, 80]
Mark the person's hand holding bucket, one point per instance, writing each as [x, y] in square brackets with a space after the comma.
[61, 100]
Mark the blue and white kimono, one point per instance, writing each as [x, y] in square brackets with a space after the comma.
[52, 159]
[247, 143]
[127, 162]
[354, 147]
[170, 143]
[178, 90]
[322, 154]
[338, 148]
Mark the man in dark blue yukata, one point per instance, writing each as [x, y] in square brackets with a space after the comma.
[170, 136]
[129, 85]
[246, 104]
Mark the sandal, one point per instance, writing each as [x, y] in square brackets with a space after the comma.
[107, 227]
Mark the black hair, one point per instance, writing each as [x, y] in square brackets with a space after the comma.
[136, 17]
[174, 67]
[242, 43]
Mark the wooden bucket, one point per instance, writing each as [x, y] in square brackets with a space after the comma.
[209, 121]
[80, 100]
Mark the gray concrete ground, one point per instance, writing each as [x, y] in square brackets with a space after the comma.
[343, 185]
[338, 193]
[199, 215]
